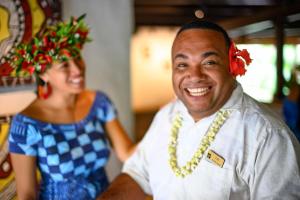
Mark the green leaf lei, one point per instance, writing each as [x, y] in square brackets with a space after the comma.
[209, 137]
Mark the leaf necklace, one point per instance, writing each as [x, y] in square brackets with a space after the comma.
[209, 137]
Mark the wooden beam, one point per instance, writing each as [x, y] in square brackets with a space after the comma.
[217, 11]
[163, 20]
[250, 29]
[166, 2]
[269, 40]
[209, 2]
[260, 16]
[164, 10]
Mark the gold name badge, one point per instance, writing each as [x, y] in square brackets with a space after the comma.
[215, 158]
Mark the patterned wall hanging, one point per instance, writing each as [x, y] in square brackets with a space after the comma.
[19, 21]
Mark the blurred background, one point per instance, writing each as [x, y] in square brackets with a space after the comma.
[129, 57]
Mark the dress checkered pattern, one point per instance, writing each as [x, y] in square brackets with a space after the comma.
[70, 157]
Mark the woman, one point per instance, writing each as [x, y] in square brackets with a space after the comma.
[65, 132]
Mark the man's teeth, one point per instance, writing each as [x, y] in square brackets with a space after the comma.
[197, 91]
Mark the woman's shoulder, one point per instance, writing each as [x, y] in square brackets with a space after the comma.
[33, 111]
[22, 121]
[103, 106]
[97, 99]
[23, 125]
[95, 95]
[101, 98]
[100, 93]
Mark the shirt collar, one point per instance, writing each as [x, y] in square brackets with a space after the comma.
[235, 100]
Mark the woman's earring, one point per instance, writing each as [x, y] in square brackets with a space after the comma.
[44, 90]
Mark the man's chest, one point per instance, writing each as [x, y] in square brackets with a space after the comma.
[212, 177]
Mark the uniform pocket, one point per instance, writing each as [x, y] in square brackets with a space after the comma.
[214, 182]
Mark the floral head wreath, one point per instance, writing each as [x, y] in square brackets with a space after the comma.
[57, 43]
[238, 60]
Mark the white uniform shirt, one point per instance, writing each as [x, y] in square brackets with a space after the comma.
[259, 152]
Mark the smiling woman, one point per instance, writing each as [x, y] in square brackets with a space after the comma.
[66, 131]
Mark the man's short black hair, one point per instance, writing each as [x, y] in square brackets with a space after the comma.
[203, 24]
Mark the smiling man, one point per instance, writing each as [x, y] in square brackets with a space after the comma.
[201, 77]
[213, 142]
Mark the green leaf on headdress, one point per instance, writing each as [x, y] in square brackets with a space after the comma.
[81, 17]
[36, 41]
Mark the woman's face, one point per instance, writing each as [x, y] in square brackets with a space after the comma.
[67, 77]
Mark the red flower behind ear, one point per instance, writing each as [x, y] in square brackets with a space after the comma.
[238, 60]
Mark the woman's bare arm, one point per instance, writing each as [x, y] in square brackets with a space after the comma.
[25, 175]
[121, 142]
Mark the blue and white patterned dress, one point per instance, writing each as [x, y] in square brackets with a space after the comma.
[70, 157]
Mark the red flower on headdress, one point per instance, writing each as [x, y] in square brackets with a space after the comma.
[238, 59]
[30, 69]
[25, 65]
[52, 33]
[43, 58]
[33, 49]
[82, 34]
[22, 52]
[28, 66]
[43, 67]
[5, 69]
[63, 44]
[66, 53]
[48, 45]
[48, 59]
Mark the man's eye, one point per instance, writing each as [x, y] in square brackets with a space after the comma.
[210, 63]
[181, 65]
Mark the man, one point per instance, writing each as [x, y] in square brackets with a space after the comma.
[214, 142]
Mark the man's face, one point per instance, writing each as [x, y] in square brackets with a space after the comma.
[200, 71]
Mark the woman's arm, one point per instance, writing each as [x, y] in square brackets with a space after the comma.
[119, 139]
[25, 175]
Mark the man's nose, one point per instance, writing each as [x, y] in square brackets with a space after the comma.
[197, 73]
